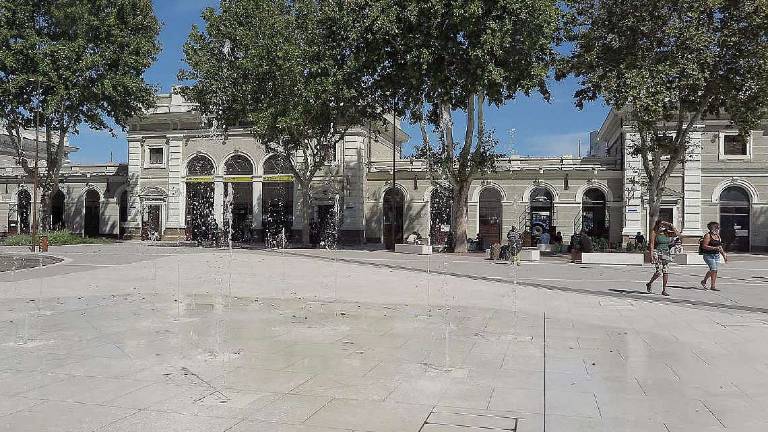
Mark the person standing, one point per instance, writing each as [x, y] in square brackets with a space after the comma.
[515, 246]
[661, 239]
[711, 249]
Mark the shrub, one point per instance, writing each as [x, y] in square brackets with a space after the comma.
[55, 238]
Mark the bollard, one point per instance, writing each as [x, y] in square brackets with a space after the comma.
[44, 243]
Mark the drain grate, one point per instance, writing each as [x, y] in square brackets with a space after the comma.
[444, 419]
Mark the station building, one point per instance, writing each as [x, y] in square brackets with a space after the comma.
[182, 179]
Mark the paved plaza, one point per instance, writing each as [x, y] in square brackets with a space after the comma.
[129, 337]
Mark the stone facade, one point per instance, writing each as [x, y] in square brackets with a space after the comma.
[161, 189]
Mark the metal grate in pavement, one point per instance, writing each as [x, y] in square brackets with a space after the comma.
[454, 419]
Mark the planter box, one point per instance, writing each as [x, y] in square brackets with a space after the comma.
[530, 254]
[689, 258]
[612, 258]
[413, 249]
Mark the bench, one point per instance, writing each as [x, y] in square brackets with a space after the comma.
[414, 249]
[612, 258]
[530, 254]
[689, 258]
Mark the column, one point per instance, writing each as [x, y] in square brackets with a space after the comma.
[257, 194]
[218, 201]
[633, 169]
[692, 185]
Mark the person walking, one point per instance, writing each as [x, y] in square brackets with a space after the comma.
[711, 249]
[660, 241]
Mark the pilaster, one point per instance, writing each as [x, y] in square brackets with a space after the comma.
[692, 184]
[633, 193]
[175, 147]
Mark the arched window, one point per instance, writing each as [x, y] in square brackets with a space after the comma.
[276, 164]
[542, 210]
[490, 217]
[594, 217]
[200, 165]
[735, 218]
[440, 211]
[238, 165]
[92, 213]
[394, 205]
[24, 211]
[57, 210]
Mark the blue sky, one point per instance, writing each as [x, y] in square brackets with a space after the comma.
[540, 128]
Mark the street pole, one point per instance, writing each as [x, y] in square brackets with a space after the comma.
[394, 174]
[35, 179]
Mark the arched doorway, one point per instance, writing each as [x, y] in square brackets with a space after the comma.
[57, 211]
[490, 217]
[734, 219]
[123, 212]
[92, 213]
[393, 203]
[277, 199]
[594, 217]
[542, 210]
[24, 211]
[238, 210]
[440, 211]
[200, 221]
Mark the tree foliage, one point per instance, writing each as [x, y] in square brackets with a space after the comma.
[436, 58]
[669, 63]
[287, 70]
[68, 63]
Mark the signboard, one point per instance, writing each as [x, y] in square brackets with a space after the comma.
[278, 178]
[200, 179]
[244, 179]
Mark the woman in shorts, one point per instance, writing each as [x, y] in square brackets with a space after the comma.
[711, 249]
[661, 240]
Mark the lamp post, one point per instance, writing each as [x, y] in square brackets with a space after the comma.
[394, 174]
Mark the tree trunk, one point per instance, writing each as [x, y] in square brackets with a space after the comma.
[459, 217]
[654, 203]
[306, 207]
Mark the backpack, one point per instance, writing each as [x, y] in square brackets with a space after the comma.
[701, 246]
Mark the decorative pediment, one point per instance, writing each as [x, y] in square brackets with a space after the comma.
[153, 191]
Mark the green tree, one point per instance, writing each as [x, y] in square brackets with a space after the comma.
[287, 71]
[69, 63]
[440, 58]
[667, 64]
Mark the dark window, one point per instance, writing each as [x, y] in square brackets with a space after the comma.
[156, 156]
[734, 145]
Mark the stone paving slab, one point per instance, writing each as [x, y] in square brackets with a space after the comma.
[252, 341]
[743, 280]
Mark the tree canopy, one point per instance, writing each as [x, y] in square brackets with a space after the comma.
[668, 63]
[436, 58]
[73, 62]
[288, 71]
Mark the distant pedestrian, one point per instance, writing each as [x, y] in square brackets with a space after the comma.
[515, 242]
[660, 242]
[711, 248]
